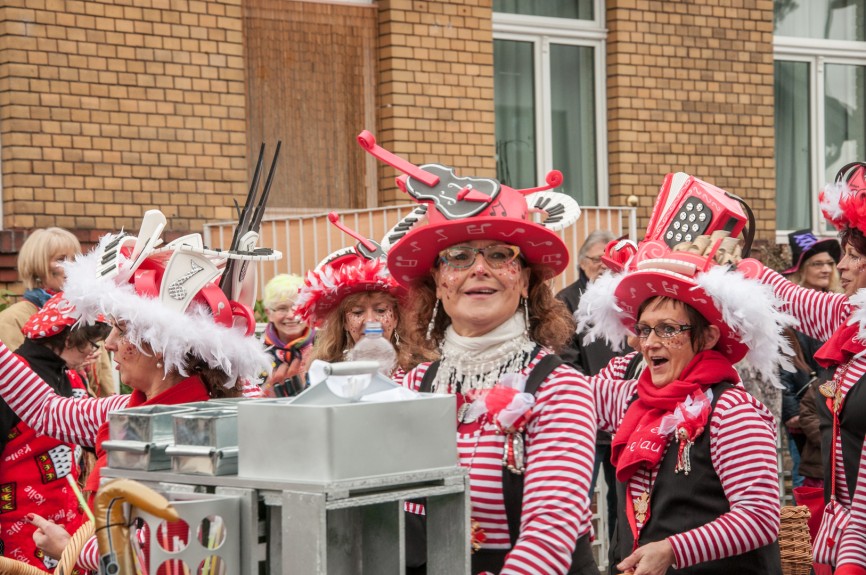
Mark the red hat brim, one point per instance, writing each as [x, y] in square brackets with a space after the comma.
[639, 286]
[414, 255]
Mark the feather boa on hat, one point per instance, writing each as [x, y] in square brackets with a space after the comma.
[326, 286]
[843, 207]
[748, 307]
[165, 331]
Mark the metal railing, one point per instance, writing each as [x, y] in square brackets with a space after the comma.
[306, 239]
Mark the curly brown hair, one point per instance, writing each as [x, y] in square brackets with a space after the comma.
[550, 324]
[332, 340]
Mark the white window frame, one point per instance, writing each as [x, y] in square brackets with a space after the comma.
[542, 32]
[817, 53]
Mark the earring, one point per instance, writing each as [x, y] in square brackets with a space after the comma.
[526, 314]
[432, 323]
[159, 365]
[396, 339]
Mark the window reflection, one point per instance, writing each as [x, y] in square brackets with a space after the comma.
[825, 19]
[576, 9]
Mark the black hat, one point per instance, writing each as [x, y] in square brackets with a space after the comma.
[804, 245]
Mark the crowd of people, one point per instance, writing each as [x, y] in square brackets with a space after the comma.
[636, 369]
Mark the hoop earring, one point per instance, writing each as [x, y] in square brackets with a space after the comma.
[526, 315]
[432, 323]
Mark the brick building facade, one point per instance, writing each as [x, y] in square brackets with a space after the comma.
[111, 108]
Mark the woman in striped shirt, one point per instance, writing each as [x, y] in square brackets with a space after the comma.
[170, 346]
[476, 274]
[840, 320]
[695, 453]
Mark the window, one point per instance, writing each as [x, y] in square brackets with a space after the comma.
[548, 58]
[820, 100]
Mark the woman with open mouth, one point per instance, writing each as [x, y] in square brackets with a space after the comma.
[695, 454]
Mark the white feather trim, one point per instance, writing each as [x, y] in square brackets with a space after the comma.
[858, 315]
[751, 309]
[830, 198]
[167, 332]
[598, 313]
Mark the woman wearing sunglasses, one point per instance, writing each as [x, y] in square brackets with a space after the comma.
[476, 270]
[695, 454]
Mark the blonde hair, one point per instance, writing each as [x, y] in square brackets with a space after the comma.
[37, 251]
[282, 287]
[332, 340]
[799, 278]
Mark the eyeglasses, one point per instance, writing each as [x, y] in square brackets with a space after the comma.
[94, 345]
[496, 256]
[281, 310]
[830, 264]
[593, 259]
[663, 330]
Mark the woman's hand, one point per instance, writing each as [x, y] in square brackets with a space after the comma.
[650, 559]
[49, 536]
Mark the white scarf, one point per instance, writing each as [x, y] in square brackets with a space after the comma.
[471, 363]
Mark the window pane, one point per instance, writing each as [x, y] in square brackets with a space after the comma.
[572, 101]
[844, 99]
[578, 9]
[514, 99]
[793, 177]
[827, 19]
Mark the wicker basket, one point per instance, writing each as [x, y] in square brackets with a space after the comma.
[794, 542]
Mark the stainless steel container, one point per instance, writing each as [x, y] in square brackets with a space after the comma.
[321, 438]
[140, 435]
[206, 441]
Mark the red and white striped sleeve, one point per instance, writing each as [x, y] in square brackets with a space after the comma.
[819, 313]
[743, 451]
[73, 420]
[88, 557]
[616, 367]
[612, 398]
[852, 547]
[559, 457]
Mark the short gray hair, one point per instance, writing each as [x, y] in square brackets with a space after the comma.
[596, 237]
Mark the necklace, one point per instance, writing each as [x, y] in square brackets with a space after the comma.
[463, 371]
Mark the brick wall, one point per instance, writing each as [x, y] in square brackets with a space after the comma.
[690, 88]
[435, 95]
[108, 109]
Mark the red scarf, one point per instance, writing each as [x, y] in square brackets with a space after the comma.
[637, 441]
[189, 390]
[841, 347]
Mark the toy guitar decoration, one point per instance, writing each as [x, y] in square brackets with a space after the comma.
[456, 197]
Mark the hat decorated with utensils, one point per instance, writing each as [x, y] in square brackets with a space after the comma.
[700, 274]
[461, 209]
[843, 202]
[357, 269]
[804, 245]
[182, 298]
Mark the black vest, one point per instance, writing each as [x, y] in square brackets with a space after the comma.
[679, 503]
[852, 428]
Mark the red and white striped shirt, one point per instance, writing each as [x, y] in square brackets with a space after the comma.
[820, 314]
[852, 547]
[560, 445]
[743, 452]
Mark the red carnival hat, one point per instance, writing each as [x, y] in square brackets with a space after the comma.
[56, 315]
[843, 202]
[462, 209]
[180, 299]
[356, 269]
[744, 310]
